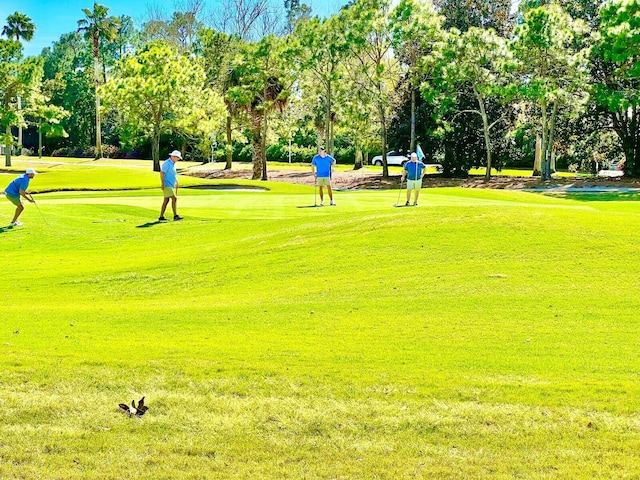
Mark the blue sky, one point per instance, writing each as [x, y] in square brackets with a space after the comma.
[55, 17]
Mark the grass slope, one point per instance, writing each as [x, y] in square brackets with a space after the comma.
[484, 334]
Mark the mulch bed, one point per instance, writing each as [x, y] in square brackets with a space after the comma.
[364, 179]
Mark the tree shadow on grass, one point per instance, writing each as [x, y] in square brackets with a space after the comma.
[150, 224]
[598, 196]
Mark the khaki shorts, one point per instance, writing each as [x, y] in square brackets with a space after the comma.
[414, 184]
[168, 192]
[15, 200]
[324, 181]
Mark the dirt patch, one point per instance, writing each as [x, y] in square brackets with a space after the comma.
[354, 179]
[373, 180]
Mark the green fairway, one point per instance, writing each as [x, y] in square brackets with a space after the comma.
[483, 334]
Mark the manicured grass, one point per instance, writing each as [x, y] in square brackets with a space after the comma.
[483, 334]
[86, 174]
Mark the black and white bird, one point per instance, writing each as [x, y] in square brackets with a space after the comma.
[133, 409]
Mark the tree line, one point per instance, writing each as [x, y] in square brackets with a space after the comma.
[477, 83]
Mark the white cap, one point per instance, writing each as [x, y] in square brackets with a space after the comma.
[31, 170]
[176, 153]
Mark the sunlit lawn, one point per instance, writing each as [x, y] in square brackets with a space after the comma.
[483, 334]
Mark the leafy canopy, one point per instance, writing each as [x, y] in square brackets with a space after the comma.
[160, 89]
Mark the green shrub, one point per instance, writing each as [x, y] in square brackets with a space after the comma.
[280, 153]
[242, 152]
[345, 155]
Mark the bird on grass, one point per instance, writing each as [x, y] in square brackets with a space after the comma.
[134, 410]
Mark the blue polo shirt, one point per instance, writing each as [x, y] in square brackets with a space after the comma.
[414, 170]
[20, 183]
[170, 174]
[323, 165]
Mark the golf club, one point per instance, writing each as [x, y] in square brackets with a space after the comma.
[315, 191]
[176, 203]
[315, 196]
[41, 214]
[397, 204]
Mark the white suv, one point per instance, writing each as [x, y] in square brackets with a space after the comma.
[393, 158]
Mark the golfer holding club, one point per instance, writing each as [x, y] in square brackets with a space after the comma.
[169, 185]
[322, 169]
[414, 170]
[16, 189]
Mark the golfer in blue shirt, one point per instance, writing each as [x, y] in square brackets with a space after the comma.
[16, 189]
[322, 169]
[413, 170]
[169, 185]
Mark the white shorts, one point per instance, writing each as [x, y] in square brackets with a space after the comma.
[414, 184]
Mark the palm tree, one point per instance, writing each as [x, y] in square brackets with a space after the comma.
[219, 51]
[258, 87]
[259, 109]
[98, 25]
[19, 27]
[232, 111]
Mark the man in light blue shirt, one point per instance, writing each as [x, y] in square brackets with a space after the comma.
[413, 170]
[16, 189]
[169, 185]
[322, 169]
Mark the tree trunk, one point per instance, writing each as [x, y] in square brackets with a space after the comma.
[546, 175]
[263, 147]
[98, 153]
[537, 162]
[327, 121]
[631, 156]
[449, 158]
[318, 124]
[549, 153]
[331, 134]
[383, 138]
[256, 143]
[412, 143]
[39, 138]
[635, 141]
[229, 146]
[155, 151]
[8, 147]
[487, 138]
[358, 160]
[625, 124]
[19, 127]
[96, 70]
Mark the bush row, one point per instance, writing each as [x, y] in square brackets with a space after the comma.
[241, 153]
[280, 153]
[108, 151]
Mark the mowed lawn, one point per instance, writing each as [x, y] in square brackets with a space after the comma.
[483, 334]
